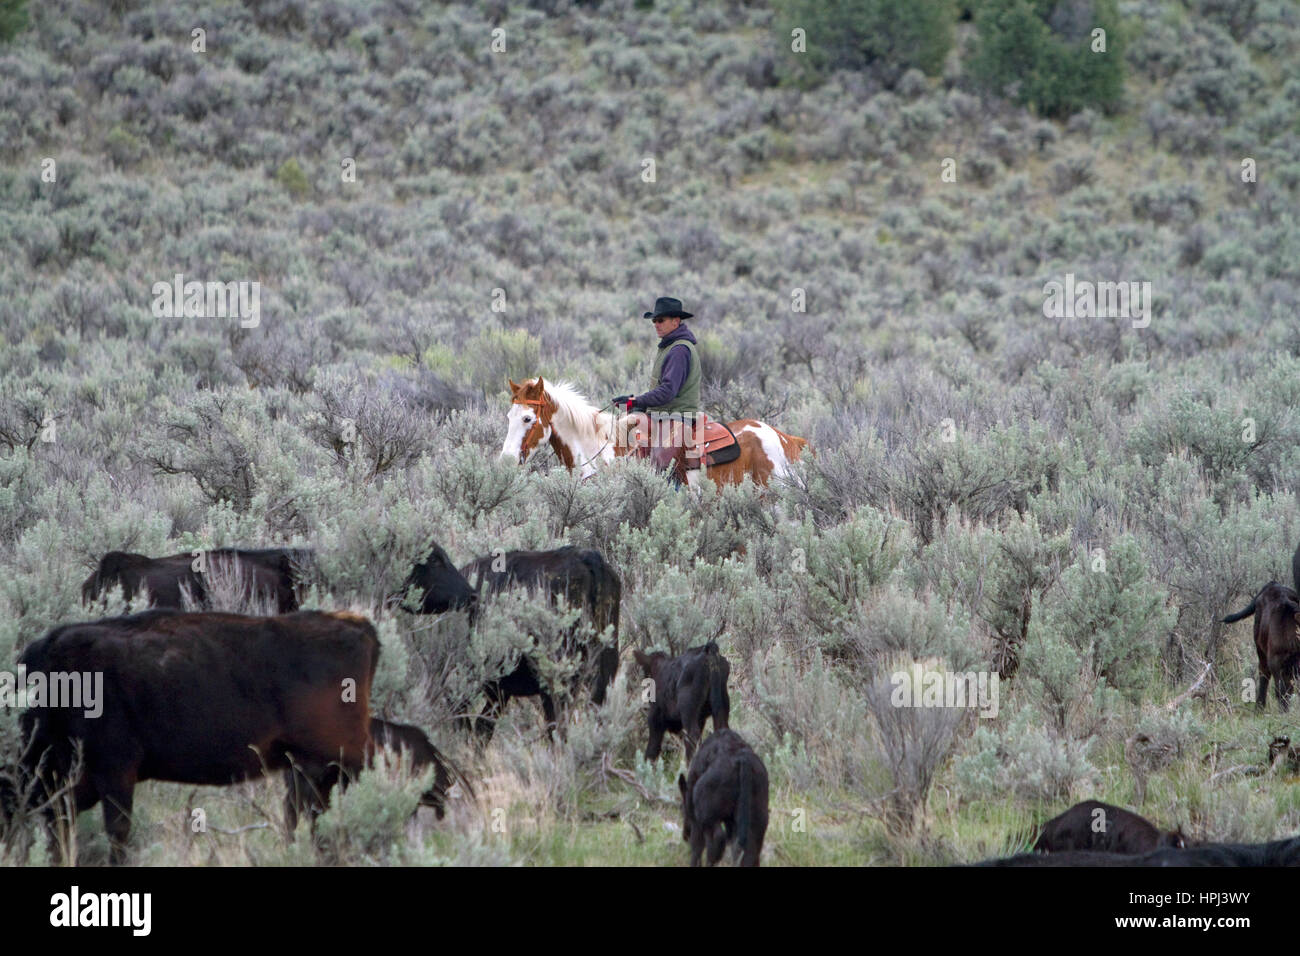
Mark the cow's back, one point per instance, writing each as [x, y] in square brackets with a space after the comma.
[1277, 853]
[185, 696]
[1123, 832]
[267, 572]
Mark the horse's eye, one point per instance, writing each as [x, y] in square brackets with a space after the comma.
[527, 419]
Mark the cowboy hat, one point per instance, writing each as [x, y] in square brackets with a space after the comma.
[666, 307]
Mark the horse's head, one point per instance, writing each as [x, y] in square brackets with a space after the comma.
[529, 419]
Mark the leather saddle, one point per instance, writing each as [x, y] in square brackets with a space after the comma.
[717, 441]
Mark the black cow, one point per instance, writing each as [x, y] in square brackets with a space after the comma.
[269, 573]
[725, 789]
[397, 738]
[1093, 825]
[687, 691]
[1277, 853]
[1277, 646]
[439, 586]
[585, 580]
[205, 699]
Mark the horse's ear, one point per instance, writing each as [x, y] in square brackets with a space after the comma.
[513, 387]
[541, 386]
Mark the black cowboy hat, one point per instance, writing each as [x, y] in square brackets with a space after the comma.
[666, 307]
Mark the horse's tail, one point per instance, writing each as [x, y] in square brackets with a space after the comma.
[793, 446]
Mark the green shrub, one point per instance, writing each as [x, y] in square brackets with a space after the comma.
[367, 823]
[13, 19]
[1039, 54]
[885, 38]
[291, 176]
[1025, 757]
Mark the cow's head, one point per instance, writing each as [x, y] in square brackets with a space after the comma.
[1174, 838]
[111, 570]
[92, 587]
[648, 662]
[529, 419]
[441, 587]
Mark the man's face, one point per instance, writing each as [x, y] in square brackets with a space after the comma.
[665, 325]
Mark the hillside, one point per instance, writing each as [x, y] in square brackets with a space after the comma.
[1085, 495]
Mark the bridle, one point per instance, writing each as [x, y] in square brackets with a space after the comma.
[540, 403]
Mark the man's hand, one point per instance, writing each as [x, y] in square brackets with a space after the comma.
[623, 400]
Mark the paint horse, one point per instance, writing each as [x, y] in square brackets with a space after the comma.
[584, 437]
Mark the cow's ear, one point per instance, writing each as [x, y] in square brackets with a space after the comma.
[681, 784]
[642, 659]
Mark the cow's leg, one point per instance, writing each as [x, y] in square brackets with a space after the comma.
[61, 819]
[717, 843]
[606, 669]
[60, 813]
[692, 729]
[309, 792]
[656, 740]
[486, 722]
[548, 711]
[118, 793]
[1261, 700]
[697, 845]
[294, 801]
[1282, 685]
[323, 784]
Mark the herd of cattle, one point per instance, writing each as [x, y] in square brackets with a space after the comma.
[211, 698]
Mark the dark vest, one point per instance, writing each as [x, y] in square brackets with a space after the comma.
[688, 398]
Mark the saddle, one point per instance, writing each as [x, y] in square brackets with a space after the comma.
[717, 441]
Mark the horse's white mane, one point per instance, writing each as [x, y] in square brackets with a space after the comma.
[573, 413]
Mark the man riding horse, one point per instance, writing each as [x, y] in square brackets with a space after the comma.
[675, 401]
[680, 438]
